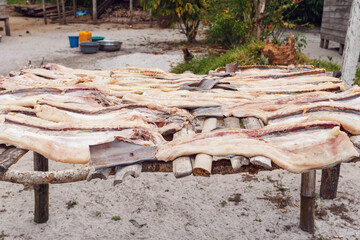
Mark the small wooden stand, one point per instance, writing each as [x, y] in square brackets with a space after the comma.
[41, 213]
[329, 182]
[307, 202]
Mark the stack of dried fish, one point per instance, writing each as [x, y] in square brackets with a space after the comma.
[58, 112]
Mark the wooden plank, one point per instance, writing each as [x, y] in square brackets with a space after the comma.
[203, 162]
[334, 26]
[336, 14]
[352, 46]
[9, 157]
[307, 201]
[41, 213]
[329, 182]
[337, 3]
[333, 20]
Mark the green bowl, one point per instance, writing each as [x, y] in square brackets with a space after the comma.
[97, 38]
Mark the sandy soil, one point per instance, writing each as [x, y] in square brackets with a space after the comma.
[155, 205]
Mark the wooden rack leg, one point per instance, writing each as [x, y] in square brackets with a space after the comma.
[329, 182]
[41, 213]
[322, 41]
[307, 207]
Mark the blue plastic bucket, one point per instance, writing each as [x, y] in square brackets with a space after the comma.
[74, 41]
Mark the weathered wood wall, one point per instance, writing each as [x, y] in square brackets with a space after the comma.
[335, 21]
[3, 8]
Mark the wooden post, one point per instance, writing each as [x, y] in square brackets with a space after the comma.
[329, 182]
[7, 27]
[131, 13]
[44, 11]
[151, 19]
[307, 202]
[352, 46]
[341, 49]
[326, 44]
[94, 3]
[74, 7]
[63, 10]
[58, 8]
[41, 213]
[322, 41]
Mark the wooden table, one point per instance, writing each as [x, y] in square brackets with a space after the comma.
[7, 26]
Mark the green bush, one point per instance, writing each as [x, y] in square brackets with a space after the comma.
[307, 11]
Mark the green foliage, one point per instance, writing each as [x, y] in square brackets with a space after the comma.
[116, 218]
[233, 22]
[309, 11]
[247, 54]
[185, 12]
[228, 21]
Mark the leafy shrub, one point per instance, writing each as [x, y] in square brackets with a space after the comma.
[307, 11]
[185, 12]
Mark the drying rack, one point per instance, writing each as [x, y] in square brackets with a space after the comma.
[41, 177]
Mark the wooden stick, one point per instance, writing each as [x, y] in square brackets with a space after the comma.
[182, 166]
[352, 46]
[307, 207]
[44, 10]
[74, 7]
[100, 173]
[41, 213]
[151, 19]
[9, 157]
[131, 13]
[63, 10]
[253, 123]
[329, 182]
[203, 162]
[123, 172]
[58, 8]
[94, 6]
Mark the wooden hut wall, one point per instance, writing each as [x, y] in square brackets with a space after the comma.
[335, 20]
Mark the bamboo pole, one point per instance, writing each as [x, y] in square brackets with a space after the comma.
[44, 10]
[203, 162]
[63, 10]
[41, 213]
[329, 182]
[94, 6]
[307, 205]
[352, 46]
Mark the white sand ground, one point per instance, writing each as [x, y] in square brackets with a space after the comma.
[156, 205]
